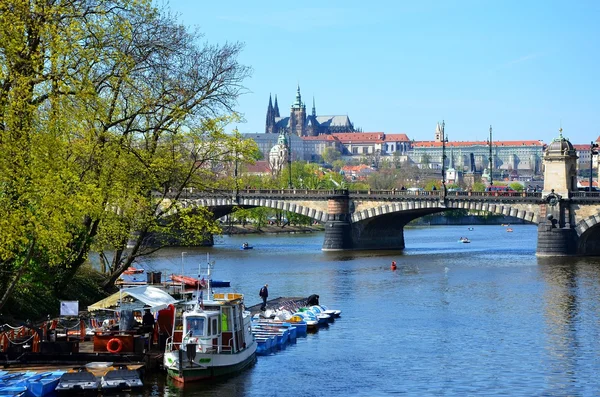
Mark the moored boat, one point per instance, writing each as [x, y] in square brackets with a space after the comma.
[213, 339]
[133, 270]
[80, 380]
[189, 282]
[120, 378]
[220, 283]
[44, 384]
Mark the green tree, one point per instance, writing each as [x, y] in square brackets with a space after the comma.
[45, 65]
[337, 165]
[516, 186]
[110, 112]
[331, 154]
[478, 187]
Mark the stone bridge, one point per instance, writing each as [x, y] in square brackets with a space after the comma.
[568, 220]
[371, 220]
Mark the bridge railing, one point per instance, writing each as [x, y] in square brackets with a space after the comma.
[390, 193]
[495, 194]
[585, 195]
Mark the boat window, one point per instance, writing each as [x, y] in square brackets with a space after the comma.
[195, 326]
[215, 326]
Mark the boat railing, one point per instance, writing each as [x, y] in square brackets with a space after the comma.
[226, 347]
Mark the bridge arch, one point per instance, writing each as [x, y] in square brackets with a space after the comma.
[588, 231]
[224, 206]
[527, 212]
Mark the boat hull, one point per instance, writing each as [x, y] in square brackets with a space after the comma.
[199, 372]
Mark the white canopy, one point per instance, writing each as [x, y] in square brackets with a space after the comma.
[145, 295]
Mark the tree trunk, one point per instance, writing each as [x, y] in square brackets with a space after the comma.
[15, 281]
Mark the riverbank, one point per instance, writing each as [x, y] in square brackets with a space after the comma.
[270, 229]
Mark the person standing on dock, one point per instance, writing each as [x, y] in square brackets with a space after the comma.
[148, 325]
[264, 294]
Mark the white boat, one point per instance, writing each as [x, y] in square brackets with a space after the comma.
[121, 378]
[212, 339]
[332, 312]
[78, 382]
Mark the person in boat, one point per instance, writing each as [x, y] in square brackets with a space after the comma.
[264, 294]
[245, 245]
[148, 325]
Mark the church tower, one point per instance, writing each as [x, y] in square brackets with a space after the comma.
[270, 122]
[279, 154]
[438, 133]
[298, 116]
[276, 108]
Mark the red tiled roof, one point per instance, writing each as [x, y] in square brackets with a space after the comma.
[581, 148]
[360, 137]
[586, 183]
[259, 166]
[396, 138]
[477, 143]
[322, 137]
[355, 168]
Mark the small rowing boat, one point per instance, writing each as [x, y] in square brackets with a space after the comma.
[188, 281]
[133, 270]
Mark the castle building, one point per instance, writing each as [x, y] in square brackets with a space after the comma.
[300, 124]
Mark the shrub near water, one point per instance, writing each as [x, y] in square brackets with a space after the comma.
[36, 297]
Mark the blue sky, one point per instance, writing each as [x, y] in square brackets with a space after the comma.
[525, 67]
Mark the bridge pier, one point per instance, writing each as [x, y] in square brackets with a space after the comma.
[338, 228]
[555, 241]
[556, 236]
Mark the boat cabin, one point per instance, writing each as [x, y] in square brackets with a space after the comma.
[216, 326]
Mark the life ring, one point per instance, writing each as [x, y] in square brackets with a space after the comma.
[117, 349]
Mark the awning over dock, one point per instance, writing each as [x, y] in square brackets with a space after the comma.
[145, 295]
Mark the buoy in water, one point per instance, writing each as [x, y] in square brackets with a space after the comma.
[393, 266]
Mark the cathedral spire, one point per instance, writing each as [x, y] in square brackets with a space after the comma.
[298, 102]
[314, 110]
[276, 108]
[270, 122]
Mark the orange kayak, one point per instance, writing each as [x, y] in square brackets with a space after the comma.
[133, 270]
[188, 281]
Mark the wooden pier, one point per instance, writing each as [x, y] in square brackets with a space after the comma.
[84, 354]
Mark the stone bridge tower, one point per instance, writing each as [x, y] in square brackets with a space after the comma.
[556, 231]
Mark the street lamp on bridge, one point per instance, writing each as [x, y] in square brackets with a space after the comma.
[289, 159]
[491, 159]
[593, 151]
[444, 140]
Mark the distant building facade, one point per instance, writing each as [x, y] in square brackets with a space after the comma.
[520, 157]
[300, 123]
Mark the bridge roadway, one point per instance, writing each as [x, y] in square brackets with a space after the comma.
[375, 219]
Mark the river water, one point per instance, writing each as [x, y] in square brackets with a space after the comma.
[485, 318]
